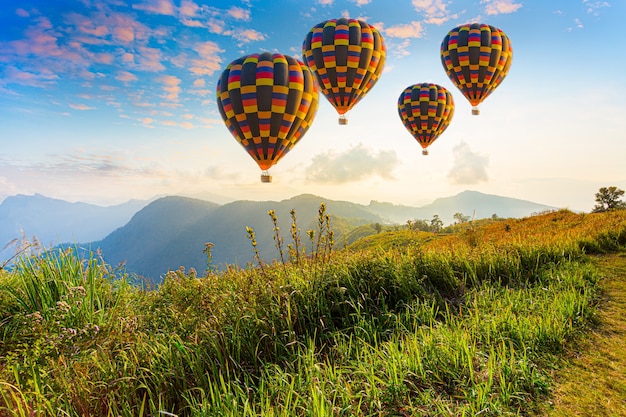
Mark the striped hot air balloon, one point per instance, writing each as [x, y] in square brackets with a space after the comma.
[426, 111]
[476, 58]
[268, 102]
[347, 57]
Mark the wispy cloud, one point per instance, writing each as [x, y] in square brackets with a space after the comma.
[42, 78]
[352, 165]
[171, 86]
[435, 11]
[593, 6]
[208, 59]
[494, 7]
[469, 167]
[125, 76]
[239, 13]
[81, 106]
[165, 7]
[404, 31]
[21, 12]
[361, 2]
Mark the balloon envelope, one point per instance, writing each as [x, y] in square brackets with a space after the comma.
[476, 58]
[426, 110]
[268, 102]
[347, 57]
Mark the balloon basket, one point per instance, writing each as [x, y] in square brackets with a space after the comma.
[266, 177]
[343, 120]
[475, 111]
[424, 151]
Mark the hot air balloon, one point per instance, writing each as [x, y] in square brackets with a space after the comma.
[476, 57]
[268, 102]
[347, 57]
[426, 110]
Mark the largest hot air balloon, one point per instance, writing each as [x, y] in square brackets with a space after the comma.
[347, 57]
[426, 110]
[268, 102]
[476, 58]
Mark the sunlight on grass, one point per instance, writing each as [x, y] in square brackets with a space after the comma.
[465, 323]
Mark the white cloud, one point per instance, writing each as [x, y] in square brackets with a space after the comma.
[405, 31]
[435, 11]
[469, 167]
[494, 7]
[594, 6]
[352, 165]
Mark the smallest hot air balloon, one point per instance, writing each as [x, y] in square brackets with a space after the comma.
[426, 110]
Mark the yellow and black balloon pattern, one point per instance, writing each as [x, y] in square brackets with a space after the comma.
[426, 110]
[476, 58]
[268, 102]
[347, 57]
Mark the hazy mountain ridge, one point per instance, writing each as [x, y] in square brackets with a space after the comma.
[53, 221]
[172, 231]
[184, 228]
[185, 225]
[467, 203]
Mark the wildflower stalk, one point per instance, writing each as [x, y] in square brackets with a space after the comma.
[253, 241]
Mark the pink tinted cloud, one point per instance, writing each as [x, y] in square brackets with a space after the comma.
[43, 78]
[21, 12]
[245, 35]
[239, 13]
[81, 106]
[149, 59]
[171, 86]
[208, 61]
[405, 31]
[188, 8]
[165, 7]
[125, 76]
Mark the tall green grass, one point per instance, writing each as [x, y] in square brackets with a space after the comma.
[442, 326]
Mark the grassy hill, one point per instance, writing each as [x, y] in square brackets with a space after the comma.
[468, 322]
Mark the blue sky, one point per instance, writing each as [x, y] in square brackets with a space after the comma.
[106, 100]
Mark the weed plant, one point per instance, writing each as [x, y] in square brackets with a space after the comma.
[441, 325]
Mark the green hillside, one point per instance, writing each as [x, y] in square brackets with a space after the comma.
[464, 322]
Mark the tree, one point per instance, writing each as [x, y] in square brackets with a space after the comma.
[436, 223]
[608, 198]
[460, 218]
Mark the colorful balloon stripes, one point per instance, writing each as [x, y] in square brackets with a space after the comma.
[426, 110]
[347, 57]
[268, 102]
[476, 58]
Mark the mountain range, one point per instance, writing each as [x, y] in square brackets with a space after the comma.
[150, 238]
[52, 221]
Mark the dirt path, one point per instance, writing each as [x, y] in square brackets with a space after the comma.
[593, 381]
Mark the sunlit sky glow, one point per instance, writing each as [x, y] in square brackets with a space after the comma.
[106, 100]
